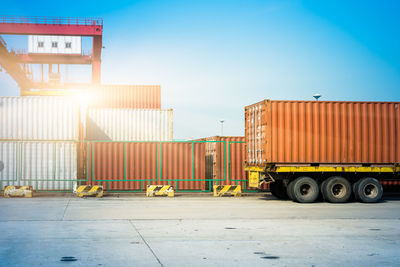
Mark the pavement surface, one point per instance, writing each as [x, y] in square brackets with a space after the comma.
[256, 230]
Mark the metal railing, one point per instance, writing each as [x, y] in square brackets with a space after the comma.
[22, 51]
[36, 162]
[53, 168]
[51, 20]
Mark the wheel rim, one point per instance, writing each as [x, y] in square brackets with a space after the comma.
[338, 190]
[305, 189]
[370, 190]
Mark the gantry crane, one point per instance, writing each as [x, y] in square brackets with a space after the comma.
[13, 62]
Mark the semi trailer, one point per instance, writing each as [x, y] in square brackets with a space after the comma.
[336, 150]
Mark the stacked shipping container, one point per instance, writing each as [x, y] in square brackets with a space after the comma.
[128, 113]
[129, 124]
[40, 136]
[134, 114]
[39, 118]
[126, 96]
[38, 144]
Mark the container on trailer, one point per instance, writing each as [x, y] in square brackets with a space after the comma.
[44, 165]
[39, 118]
[336, 149]
[129, 124]
[126, 96]
[322, 132]
[131, 166]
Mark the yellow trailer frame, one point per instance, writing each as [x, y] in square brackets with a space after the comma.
[254, 171]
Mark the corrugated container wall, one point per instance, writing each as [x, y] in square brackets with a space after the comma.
[126, 96]
[132, 166]
[39, 118]
[226, 154]
[129, 124]
[43, 165]
[224, 159]
[322, 132]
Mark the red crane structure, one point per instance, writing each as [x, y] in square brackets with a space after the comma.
[19, 25]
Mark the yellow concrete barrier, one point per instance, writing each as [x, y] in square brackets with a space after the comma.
[160, 190]
[88, 190]
[227, 190]
[18, 191]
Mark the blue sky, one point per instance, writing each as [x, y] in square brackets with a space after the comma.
[212, 58]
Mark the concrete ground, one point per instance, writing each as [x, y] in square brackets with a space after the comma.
[197, 231]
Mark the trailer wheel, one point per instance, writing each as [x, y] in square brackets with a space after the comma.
[289, 190]
[369, 190]
[278, 190]
[336, 189]
[305, 190]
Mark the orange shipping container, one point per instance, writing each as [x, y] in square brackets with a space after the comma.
[225, 161]
[326, 132]
[126, 96]
[131, 166]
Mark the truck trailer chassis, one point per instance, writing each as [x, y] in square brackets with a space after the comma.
[336, 184]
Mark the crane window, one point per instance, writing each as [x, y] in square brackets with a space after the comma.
[54, 44]
[68, 45]
[40, 44]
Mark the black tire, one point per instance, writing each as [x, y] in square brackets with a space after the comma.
[336, 189]
[289, 190]
[369, 190]
[278, 190]
[305, 190]
[355, 189]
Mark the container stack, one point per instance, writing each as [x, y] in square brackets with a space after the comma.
[129, 149]
[39, 137]
[128, 113]
[124, 124]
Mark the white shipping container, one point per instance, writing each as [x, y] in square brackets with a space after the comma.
[52, 44]
[40, 164]
[129, 124]
[39, 118]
